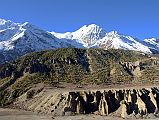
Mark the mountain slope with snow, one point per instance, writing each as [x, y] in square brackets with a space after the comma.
[18, 39]
[118, 41]
[153, 44]
[96, 37]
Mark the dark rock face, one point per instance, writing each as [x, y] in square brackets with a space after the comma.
[121, 102]
[6, 70]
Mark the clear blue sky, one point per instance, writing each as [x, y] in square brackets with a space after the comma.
[139, 18]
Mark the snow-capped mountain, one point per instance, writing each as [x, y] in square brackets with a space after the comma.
[86, 35]
[119, 41]
[96, 37]
[17, 39]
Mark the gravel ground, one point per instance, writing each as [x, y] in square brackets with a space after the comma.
[12, 114]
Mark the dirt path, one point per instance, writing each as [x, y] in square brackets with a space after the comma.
[12, 114]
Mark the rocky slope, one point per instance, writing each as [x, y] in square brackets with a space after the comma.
[80, 67]
[125, 103]
[19, 39]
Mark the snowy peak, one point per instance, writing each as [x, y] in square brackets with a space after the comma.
[4, 24]
[86, 35]
[113, 34]
[89, 34]
[29, 26]
[10, 31]
[93, 28]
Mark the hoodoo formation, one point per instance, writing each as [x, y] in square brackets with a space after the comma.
[139, 103]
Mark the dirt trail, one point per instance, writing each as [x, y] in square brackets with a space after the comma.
[15, 114]
[12, 114]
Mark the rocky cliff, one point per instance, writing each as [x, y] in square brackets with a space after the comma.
[138, 103]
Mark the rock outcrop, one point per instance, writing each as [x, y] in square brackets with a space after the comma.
[124, 103]
[133, 68]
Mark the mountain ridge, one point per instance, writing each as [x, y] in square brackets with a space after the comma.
[17, 39]
[114, 37]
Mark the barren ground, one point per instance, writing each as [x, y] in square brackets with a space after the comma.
[14, 114]
[17, 114]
